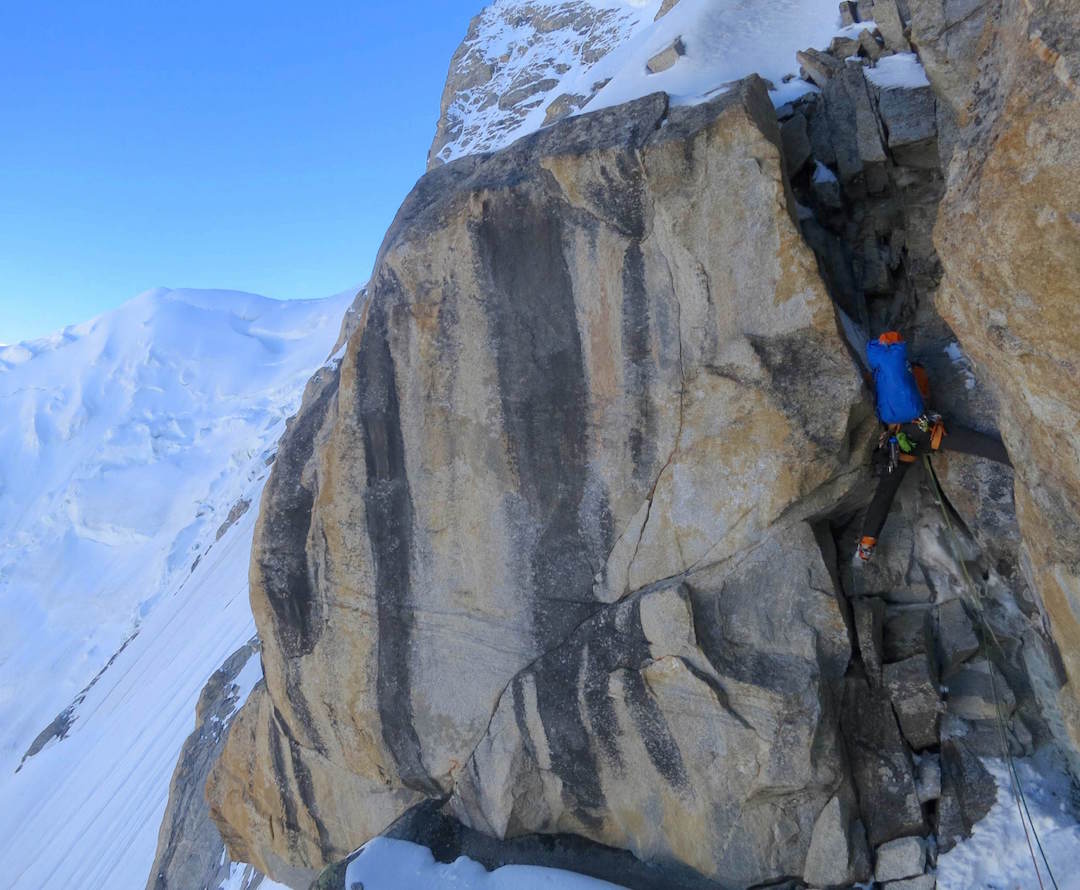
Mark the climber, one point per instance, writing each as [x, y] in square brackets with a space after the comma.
[901, 391]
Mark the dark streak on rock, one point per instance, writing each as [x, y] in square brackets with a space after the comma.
[447, 360]
[299, 706]
[639, 366]
[612, 641]
[600, 709]
[801, 396]
[283, 558]
[529, 301]
[389, 506]
[649, 720]
[520, 718]
[307, 796]
[388, 503]
[281, 774]
[620, 196]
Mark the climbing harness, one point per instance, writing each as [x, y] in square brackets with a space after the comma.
[974, 598]
[897, 447]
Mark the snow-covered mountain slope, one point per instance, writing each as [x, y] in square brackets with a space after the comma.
[132, 457]
[526, 63]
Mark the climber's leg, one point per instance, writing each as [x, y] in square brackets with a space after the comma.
[878, 511]
[968, 441]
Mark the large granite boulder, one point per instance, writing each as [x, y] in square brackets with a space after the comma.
[1009, 239]
[597, 360]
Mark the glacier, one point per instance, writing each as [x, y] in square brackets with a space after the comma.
[130, 447]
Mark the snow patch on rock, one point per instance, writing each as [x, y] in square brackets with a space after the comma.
[996, 855]
[899, 71]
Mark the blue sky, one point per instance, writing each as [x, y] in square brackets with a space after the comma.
[261, 146]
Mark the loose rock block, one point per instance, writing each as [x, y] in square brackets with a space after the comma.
[913, 690]
[902, 858]
[956, 641]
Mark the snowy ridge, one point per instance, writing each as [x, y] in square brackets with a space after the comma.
[130, 473]
[525, 63]
[513, 62]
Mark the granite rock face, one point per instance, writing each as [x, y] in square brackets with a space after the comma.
[596, 394]
[902, 858]
[881, 764]
[887, 144]
[1009, 239]
[912, 686]
[705, 704]
[838, 852]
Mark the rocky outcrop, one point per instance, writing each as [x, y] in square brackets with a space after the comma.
[667, 57]
[597, 392]
[879, 140]
[949, 637]
[496, 85]
[1009, 239]
[190, 853]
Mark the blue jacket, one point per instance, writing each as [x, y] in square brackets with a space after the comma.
[897, 393]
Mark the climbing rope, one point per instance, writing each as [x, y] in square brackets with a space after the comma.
[974, 599]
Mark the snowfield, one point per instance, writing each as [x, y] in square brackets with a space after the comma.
[127, 442]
